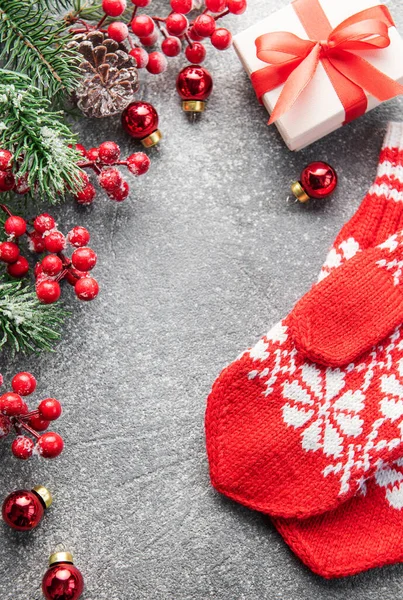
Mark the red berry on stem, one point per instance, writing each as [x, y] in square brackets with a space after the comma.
[204, 25]
[118, 31]
[195, 53]
[81, 150]
[176, 24]
[216, 6]
[140, 56]
[7, 181]
[18, 269]
[171, 46]
[108, 153]
[52, 265]
[50, 445]
[113, 8]
[21, 184]
[78, 236]
[22, 447]
[6, 160]
[15, 226]
[44, 222]
[55, 242]
[193, 35]
[73, 275]
[48, 291]
[5, 426]
[142, 25]
[221, 39]
[236, 7]
[110, 179]
[138, 163]
[86, 288]
[181, 6]
[11, 404]
[151, 39]
[84, 259]
[92, 154]
[86, 195]
[157, 63]
[23, 510]
[50, 409]
[23, 383]
[9, 252]
[120, 193]
[141, 3]
[36, 242]
[37, 423]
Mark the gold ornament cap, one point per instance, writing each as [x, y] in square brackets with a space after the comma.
[194, 106]
[299, 192]
[44, 495]
[58, 557]
[152, 140]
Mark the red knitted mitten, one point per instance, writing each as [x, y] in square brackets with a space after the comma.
[292, 438]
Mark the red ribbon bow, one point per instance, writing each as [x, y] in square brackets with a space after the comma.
[294, 61]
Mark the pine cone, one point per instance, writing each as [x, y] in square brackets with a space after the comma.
[110, 77]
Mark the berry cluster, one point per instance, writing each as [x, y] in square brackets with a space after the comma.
[8, 181]
[176, 30]
[14, 413]
[55, 266]
[104, 161]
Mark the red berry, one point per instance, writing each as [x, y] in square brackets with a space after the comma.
[50, 409]
[195, 53]
[37, 423]
[151, 39]
[84, 259]
[108, 153]
[7, 181]
[118, 31]
[21, 184]
[86, 195]
[121, 193]
[19, 268]
[157, 63]
[86, 288]
[110, 179]
[9, 252]
[171, 46]
[221, 38]
[81, 150]
[36, 242]
[216, 6]
[73, 275]
[92, 154]
[114, 8]
[22, 447]
[44, 222]
[142, 25]
[48, 291]
[52, 265]
[204, 25]
[237, 7]
[140, 56]
[193, 35]
[15, 226]
[50, 445]
[55, 242]
[6, 160]
[181, 6]
[78, 236]
[23, 383]
[141, 3]
[138, 163]
[5, 426]
[176, 24]
[11, 404]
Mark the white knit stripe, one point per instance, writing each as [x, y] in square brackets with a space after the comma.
[394, 135]
[387, 191]
[386, 168]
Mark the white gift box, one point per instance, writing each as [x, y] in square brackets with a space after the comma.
[318, 111]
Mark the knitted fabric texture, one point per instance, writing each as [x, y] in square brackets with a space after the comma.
[290, 437]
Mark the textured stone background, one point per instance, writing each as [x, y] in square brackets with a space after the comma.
[200, 261]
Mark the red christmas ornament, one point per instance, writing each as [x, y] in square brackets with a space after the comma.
[194, 85]
[140, 120]
[318, 180]
[23, 509]
[62, 581]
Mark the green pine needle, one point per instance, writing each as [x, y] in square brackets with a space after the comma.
[26, 325]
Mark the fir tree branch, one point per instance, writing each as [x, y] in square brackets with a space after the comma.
[38, 139]
[34, 43]
[26, 324]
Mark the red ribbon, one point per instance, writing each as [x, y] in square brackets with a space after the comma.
[294, 61]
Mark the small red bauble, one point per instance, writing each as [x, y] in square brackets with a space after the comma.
[140, 120]
[204, 25]
[52, 265]
[48, 291]
[113, 8]
[236, 7]
[15, 226]
[6, 160]
[22, 447]
[195, 53]
[194, 85]
[142, 25]
[157, 63]
[171, 46]
[182, 6]
[9, 252]
[7, 181]
[108, 153]
[50, 409]
[23, 383]
[19, 268]
[78, 236]
[23, 509]
[140, 56]
[62, 581]
[176, 24]
[221, 39]
[318, 180]
[118, 31]
[84, 259]
[138, 163]
[44, 222]
[55, 242]
[86, 288]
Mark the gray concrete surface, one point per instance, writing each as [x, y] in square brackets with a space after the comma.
[202, 258]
